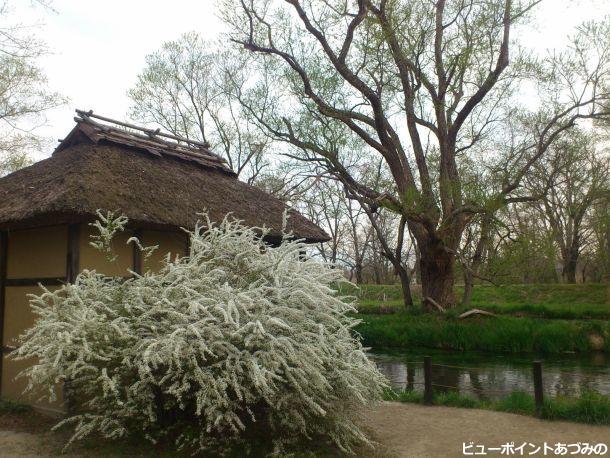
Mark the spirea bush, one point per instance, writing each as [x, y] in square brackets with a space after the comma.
[238, 342]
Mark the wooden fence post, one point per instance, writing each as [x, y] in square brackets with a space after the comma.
[428, 380]
[538, 392]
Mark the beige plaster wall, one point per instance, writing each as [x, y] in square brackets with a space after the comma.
[13, 387]
[18, 315]
[173, 243]
[32, 254]
[42, 253]
[92, 259]
[37, 253]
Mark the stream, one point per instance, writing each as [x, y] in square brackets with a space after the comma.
[492, 376]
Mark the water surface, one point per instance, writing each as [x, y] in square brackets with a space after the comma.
[489, 376]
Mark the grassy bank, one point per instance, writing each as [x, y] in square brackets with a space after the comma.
[501, 334]
[559, 301]
[532, 318]
[590, 408]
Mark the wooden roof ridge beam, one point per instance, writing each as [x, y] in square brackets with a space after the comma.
[89, 114]
[174, 150]
[184, 149]
[125, 133]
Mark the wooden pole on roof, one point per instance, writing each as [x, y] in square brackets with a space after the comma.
[150, 132]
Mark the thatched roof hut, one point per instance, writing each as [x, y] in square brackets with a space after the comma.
[153, 181]
[159, 181]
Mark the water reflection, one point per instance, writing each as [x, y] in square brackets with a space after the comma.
[490, 377]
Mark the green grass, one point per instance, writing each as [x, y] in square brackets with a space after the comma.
[557, 301]
[532, 318]
[502, 334]
[591, 407]
[10, 407]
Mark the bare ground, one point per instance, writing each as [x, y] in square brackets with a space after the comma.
[402, 430]
[412, 430]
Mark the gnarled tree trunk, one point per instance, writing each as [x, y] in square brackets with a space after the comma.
[570, 261]
[437, 266]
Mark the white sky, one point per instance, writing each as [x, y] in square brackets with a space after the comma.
[98, 47]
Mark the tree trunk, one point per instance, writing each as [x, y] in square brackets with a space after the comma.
[569, 266]
[358, 272]
[468, 287]
[437, 266]
[377, 273]
[477, 260]
[416, 266]
[405, 283]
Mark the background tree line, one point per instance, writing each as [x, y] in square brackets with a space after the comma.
[24, 92]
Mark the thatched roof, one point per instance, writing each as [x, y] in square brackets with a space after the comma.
[154, 182]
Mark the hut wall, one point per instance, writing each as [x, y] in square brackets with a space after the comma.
[50, 256]
[172, 243]
[37, 253]
[31, 257]
[92, 259]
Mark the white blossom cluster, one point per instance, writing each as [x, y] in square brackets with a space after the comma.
[238, 340]
[107, 226]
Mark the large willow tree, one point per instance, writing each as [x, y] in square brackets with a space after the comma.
[424, 85]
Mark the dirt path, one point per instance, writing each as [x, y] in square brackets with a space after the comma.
[404, 430]
[24, 444]
[411, 430]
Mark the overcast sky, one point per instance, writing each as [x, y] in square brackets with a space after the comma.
[98, 47]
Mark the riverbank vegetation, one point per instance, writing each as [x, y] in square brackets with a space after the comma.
[590, 407]
[499, 334]
[561, 301]
[530, 318]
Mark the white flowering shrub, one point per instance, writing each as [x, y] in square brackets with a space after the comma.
[238, 341]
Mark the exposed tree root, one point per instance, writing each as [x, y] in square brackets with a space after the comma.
[476, 312]
[438, 306]
[466, 314]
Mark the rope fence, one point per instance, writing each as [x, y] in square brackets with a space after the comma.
[429, 385]
[576, 374]
[478, 368]
[458, 367]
